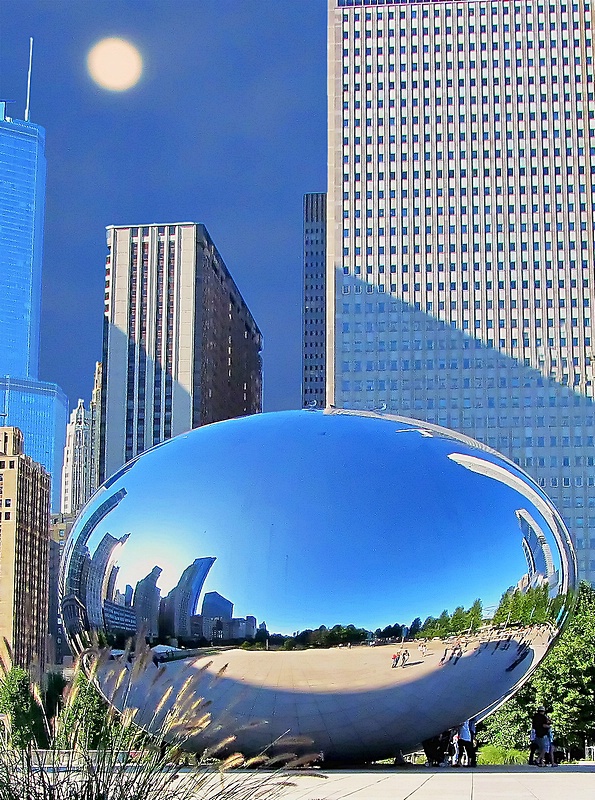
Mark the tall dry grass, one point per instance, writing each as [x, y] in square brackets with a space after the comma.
[124, 762]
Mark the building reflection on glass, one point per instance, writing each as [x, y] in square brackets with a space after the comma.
[93, 603]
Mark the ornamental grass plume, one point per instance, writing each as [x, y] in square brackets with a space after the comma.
[91, 750]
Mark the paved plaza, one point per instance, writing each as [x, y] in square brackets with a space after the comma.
[349, 702]
[483, 783]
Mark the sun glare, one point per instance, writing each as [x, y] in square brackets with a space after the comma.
[115, 64]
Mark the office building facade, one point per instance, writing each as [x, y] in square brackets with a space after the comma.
[39, 409]
[460, 247]
[314, 301]
[24, 552]
[181, 349]
[60, 527]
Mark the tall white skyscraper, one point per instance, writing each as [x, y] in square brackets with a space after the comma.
[180, 346]
[460, 251]
[80, 473]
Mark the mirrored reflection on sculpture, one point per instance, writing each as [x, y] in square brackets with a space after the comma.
[308, 551]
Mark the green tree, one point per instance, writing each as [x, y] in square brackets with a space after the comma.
[502, 612]
[509, 727]
[458, 621]
[564, 683]
[23, 711]
[429, 628]
[475, 615]
[443, 623]
[89, 709]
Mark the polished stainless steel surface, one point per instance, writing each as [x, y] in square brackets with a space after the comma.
[253, 544]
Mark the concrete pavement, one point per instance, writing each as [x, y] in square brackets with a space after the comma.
[484, 783]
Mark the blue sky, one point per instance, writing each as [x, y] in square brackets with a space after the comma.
[226, 127]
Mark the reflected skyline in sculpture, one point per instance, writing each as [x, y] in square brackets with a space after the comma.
[334, 527]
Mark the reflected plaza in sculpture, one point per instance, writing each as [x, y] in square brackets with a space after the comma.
[311, 533]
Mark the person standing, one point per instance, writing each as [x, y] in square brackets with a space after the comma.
[541, 724]
[465, 742]
[532, 748]
[551, 749]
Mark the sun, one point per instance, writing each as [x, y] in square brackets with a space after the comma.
[115, 64]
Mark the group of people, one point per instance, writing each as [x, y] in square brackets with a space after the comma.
[455, 747]
[403, 656]
[456, 652]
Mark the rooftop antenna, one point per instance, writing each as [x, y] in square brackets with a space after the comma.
[29, 79]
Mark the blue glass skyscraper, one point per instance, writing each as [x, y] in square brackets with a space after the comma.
[22, 202]
[39, 409]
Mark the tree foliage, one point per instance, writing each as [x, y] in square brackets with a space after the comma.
[564, 683]
[448, 625]
[86, 710]
[530, 607]
[330, 637]
[23, 712]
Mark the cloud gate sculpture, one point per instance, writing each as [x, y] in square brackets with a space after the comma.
[363, 580]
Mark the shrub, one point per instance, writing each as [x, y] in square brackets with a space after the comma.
[490, 754]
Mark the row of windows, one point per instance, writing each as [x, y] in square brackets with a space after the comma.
[504, 8]
[534, 322]
[506, 401]
[547, 208]
[440, 364]
[448, 30]
[448, 65]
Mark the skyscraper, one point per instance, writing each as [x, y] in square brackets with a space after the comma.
[180, 605]
[80, 475]
[24, 554]
[22, 205]
[59, 530]
[180, 349]
[37, 408]
[460, 245]
[314, 308]
[147, 598]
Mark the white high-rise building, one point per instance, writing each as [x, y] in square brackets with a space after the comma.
[80, 475]
[76, 472]
[460, 249]
[180, 346]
